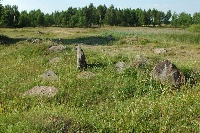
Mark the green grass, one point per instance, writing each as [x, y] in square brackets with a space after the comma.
[130, 101]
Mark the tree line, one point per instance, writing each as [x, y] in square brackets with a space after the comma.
[91, 16]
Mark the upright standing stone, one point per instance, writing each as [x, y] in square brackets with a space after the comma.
[81, 60]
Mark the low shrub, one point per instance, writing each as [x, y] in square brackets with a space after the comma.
[194, 28]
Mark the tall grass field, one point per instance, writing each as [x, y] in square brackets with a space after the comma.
[129, 101]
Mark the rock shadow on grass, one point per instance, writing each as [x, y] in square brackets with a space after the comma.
[89, 40]
[96, 65]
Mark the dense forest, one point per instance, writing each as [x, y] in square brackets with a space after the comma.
[91, 16]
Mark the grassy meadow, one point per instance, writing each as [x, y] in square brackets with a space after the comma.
[109, 102]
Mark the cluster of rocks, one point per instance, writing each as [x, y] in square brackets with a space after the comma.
[40, 40]
[48, 75]
[164, 71]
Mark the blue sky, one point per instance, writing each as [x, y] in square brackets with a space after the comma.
[49, 6]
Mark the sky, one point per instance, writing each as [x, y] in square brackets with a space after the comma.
[49, 6]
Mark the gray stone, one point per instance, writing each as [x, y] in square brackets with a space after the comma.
[49, 75]
[167, 72]
[42, 91]
[159, 50]
[57, 48]
[81, 59]
[120, 66]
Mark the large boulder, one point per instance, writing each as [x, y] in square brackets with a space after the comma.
[167, 72]
[42, 91]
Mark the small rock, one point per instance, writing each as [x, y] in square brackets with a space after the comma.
[167, 72]
[120, 66]
[57, 48]
[159, 50]
[42, 91]
[49, 75]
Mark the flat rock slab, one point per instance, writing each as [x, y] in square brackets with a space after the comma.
[86, 75]
[49, 75]
[42, 91]
[57, 48]
[159, 50]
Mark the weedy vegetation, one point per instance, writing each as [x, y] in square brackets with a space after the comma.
[110, 101]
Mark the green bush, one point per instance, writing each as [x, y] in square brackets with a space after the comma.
[194, 28]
